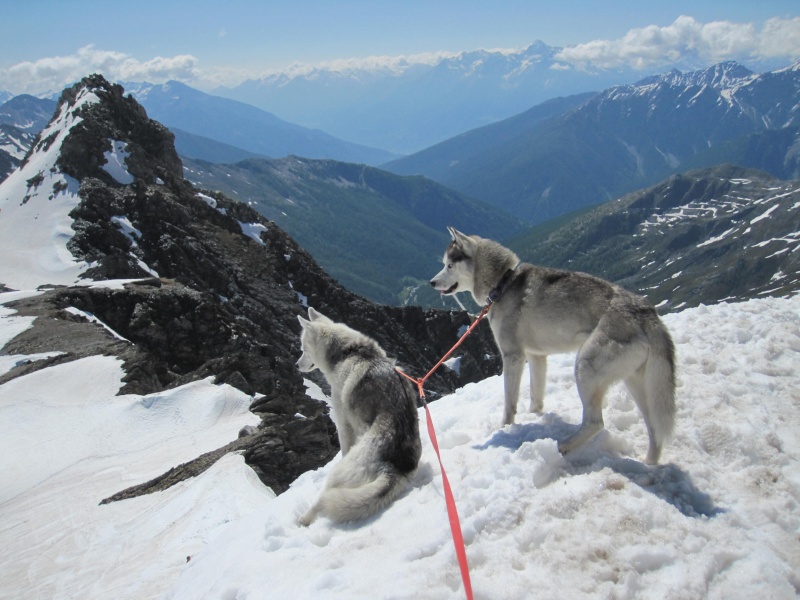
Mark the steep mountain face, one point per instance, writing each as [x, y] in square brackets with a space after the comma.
[721, 234]
[439, 162]
[379, 234]
[406, 106]
[101, 196]
[242, 126]
[620, 140]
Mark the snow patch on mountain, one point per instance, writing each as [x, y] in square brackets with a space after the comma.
[115, 162]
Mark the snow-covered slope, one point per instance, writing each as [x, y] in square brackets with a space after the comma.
[68, 441]
[719, 519]
[35, 202]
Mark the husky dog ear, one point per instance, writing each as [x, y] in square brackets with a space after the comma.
[317, 316]
[303, 322]
[462, 241]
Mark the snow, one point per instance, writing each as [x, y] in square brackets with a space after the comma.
[68, 442]
[718, 519]
[127, 228]
[115, 163]
[253, 230]
[34, 233]
[207, 199]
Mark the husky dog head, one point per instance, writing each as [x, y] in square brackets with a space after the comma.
[310, 359]
[327, 344]
[473, 264]
[458, 273]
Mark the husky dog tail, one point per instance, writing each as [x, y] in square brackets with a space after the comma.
[658, 406]
[342, 504]
[359, 486]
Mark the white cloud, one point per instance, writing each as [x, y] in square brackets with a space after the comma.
[687, 39]
[57, 72]
[389, 64]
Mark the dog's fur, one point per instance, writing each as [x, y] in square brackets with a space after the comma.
[618, 335]
[375, 413]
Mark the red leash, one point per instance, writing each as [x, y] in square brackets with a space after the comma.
[452, 511]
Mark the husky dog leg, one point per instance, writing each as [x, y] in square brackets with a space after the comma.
[537, 365]
[513, 367]
[601, 361]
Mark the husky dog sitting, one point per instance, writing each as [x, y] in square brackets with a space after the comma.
[539, 311]
[375, 413]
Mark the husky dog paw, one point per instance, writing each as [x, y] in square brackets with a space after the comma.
[306, 520]
[308, 516]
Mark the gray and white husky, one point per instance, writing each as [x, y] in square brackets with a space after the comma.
[375, 413]
[539, 311]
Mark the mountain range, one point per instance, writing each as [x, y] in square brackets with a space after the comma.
[321, 203]
[240, 125]
[21, 118]
[721, 234]
[620, 140]
[381, 234]
[408, 104]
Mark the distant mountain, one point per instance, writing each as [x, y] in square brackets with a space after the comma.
[439, 162]
[379, 234]
[406, 106]
[5, 96]
[622, 139]
[198, 147]
[243, 126]
[721, 234]
[776, 151]
[27, 113]
[14, 143]
[21, 118]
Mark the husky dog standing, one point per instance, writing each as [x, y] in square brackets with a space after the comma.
[375, 412]
[539, 311]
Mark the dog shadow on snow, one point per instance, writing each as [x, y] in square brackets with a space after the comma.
[667, 481]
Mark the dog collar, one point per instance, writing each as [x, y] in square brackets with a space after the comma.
[497, 291]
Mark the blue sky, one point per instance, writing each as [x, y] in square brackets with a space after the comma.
[45, 42]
